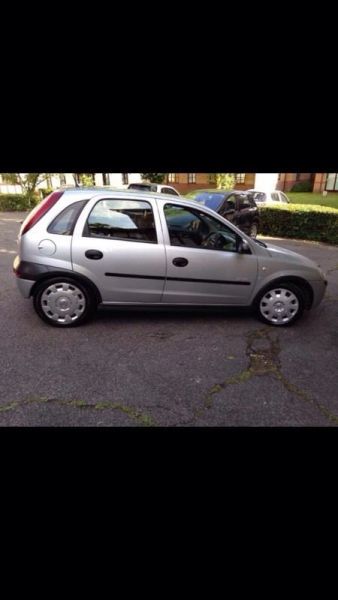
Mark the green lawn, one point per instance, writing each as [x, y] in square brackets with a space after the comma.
[331, 200]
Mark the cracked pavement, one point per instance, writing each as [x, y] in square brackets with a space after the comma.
[153, 369]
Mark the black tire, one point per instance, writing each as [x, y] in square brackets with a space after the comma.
[78, 302]
[254, 230]
[284, 306]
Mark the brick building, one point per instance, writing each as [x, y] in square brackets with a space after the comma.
[188, 182]
[319, 182]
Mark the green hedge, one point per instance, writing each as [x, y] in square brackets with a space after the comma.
[302, 186]
[300, 221]
[11, 202]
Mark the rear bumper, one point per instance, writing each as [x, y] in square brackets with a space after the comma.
[25, 286]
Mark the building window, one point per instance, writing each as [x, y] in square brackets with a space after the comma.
[191, 177]
[125, 178]
[171, 177]
[105, 179]
[279, 176]
[239, 177]
[332, 182]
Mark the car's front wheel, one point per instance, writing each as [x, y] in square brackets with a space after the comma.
[280, 305]
[63, 302]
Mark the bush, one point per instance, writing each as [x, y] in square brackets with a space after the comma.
[10, 202]
[302, 186]
[45, 192]
[300, 221]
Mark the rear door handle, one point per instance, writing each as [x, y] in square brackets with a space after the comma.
[94, 254]
[180, 262]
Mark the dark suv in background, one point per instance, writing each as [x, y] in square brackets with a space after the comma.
[235, 206]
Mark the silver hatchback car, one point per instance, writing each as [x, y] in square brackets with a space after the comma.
[85, 247]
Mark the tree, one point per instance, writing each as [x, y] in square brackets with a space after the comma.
[86, 179]
[27, 181]
[154, 177]
[225, 181]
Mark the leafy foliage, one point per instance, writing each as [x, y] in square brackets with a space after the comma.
[300, 221]
[226, 181]
[11, 202]
[154, 177]
[27, 181]
[302, 186]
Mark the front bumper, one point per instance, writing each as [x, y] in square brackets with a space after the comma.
[319, 289]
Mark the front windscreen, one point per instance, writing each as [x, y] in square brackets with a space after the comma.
[140, 187]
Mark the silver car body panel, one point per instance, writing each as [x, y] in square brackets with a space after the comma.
[143, 273]
[25, 287]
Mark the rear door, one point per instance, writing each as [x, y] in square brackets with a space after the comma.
[118, 244]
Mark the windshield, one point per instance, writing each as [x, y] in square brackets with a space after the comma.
[213, 201]
[259, 196]
[140, 186]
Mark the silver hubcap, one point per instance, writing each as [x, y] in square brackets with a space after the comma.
[279, 306]
[63, 302]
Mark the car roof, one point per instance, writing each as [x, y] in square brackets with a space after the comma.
[224, 192]
[262, 191]
[145, 184]
[117, 192]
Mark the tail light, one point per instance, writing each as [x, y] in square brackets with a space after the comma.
[39, 211]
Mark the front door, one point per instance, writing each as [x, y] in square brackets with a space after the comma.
[117, 244]
[204, 267]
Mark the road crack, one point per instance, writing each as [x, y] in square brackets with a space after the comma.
[133, 413]
[263, 350]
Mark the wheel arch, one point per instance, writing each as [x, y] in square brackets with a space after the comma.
[298, 281]
[70, 275]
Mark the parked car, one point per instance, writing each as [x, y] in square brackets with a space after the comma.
[84, 248]
[153, 187]
[262, 197]
[235, 206]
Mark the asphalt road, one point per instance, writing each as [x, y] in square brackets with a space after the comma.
[167, 369]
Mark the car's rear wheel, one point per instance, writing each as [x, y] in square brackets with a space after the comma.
[254, 230]
[280, 305]
[63, 302]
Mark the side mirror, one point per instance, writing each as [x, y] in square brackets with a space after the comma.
[243, 247]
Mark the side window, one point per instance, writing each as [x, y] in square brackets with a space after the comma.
[194, 229]
[230, 204]
[283, 197]
[65, 222]
[131, 220]
[275, 197]
[168, 191]
[243, 202]
[259, 197]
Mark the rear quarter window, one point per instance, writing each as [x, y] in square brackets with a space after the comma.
[65, 222]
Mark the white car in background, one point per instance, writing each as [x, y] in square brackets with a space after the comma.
[263, 197]
[154, 188]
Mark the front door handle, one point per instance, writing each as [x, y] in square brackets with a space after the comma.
[180, 262]
[94, 254]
